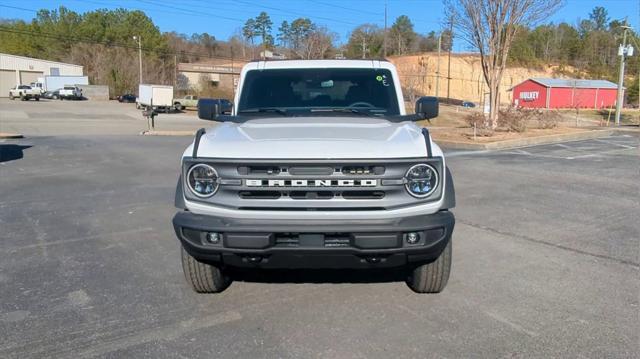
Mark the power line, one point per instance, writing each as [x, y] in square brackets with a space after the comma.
[197, 12]
[193, 12]
[19, 8]
[360, 11]
[295, 13]
[143, 9]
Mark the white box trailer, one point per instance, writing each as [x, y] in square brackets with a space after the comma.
[159, 97]
[52, 83]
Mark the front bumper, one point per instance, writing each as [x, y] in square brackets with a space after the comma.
[314, 243]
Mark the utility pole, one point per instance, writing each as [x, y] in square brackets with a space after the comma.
[438, 68]
[384, 38]
[139, 39]
[175, 70]
[622, 52]
[449, 66]
[233, 75]
[638, 47]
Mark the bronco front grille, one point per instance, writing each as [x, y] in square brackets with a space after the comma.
[311, 185]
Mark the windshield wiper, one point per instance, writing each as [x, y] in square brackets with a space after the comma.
[346, 110]
[279, 111]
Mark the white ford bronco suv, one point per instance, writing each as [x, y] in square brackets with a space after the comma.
[318, 166]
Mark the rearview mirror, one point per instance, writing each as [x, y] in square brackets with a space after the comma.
[208, 109]
[427, 107]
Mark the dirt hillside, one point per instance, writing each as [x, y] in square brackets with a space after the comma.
[418, 74]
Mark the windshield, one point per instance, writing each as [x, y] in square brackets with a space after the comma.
[370, 90]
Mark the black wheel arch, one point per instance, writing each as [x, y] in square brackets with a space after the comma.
[450, 191]
[179, 198]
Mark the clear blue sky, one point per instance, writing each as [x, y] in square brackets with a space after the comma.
[222, 17]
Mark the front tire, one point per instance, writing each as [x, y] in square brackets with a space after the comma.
[204, 278]
[432, 277]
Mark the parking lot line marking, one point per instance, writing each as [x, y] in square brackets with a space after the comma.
[615, 144]
[466, 153]
[511, 324]
[562, 145]
[525, 153]
[601, 154]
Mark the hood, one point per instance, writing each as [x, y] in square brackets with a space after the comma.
[312, 138]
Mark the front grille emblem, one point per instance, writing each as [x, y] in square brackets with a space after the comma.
[311, 183]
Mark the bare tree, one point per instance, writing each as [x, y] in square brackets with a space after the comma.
[319, 42]
[365, 41]
[490, 26]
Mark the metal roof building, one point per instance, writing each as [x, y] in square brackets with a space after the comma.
[564, 93]
[20, 70]
[603, 84]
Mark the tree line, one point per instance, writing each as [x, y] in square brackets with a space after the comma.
[589, 47]
[102, 41]
[302, 38]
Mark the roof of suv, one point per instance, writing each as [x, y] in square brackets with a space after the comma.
[301, 64]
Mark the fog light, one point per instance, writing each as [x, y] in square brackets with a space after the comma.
[213, 237]
[413, 237]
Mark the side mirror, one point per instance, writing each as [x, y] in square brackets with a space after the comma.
[427, 107]
[208, 109]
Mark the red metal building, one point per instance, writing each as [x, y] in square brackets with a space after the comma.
[564, 93]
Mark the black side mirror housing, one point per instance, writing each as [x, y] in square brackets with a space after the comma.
[427, 107]
[209, 109]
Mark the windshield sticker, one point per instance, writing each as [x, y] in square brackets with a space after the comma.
[383, 79]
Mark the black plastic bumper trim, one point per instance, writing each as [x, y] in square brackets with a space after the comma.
[351, 256]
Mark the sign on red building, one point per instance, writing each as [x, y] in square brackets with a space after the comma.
[564, 93]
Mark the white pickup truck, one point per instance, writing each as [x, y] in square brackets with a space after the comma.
[24, 93]
[188, 101]
[318, 167]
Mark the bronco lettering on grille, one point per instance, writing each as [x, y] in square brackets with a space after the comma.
[311, 183]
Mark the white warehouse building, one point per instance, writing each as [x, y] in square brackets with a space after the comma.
[20, 70]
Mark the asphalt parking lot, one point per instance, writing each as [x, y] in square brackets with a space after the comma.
[546, 256]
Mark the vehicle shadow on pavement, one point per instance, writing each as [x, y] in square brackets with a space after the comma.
[320, 275]
[11, 152]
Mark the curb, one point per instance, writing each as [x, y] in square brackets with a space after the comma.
[167, 133]
[628, 129]
[525, 142]
[5, 135]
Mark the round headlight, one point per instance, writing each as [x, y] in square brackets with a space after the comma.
[202, 180]
[422, 180]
